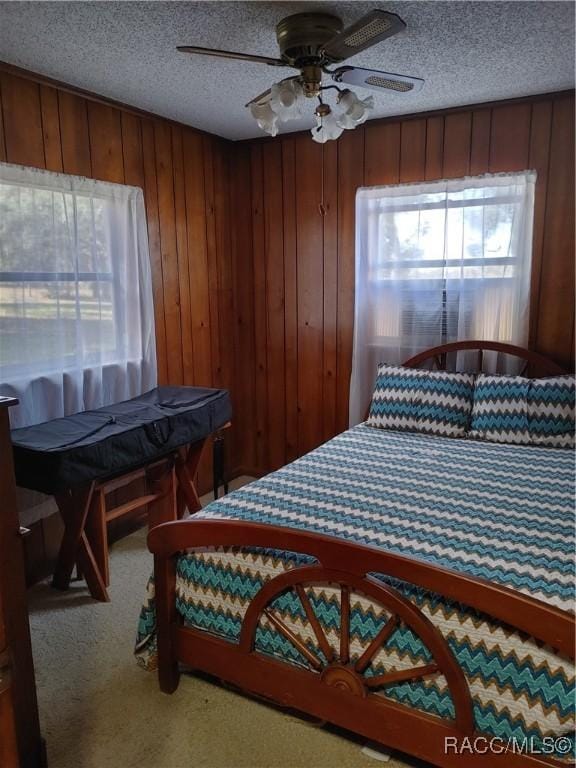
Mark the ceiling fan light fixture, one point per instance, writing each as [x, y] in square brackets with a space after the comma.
[326, 128]
[266, 118]
[311, 42]
[284, 99]
[354, 110]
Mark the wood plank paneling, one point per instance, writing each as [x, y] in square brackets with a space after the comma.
[309, 239]
[253, 277]
[211, 249]
[457, 135]
[259, 293]
[168, 249]
[555, 329]
[495, 138]
[105, 127]
[22, 121]
[74, 134]
[290, 294]
[274, 282]
[244, 414]
[51, 128]
[412, 150]
[350, 177]
[434, 147]
[132, 154]
[330, 287]
[382, 154]
[480, 141]
[510, 138]
[539, 159]
[183, 257]
[222, 222]
[197, 283]
[198, 256]
[224, 297]
[151, 197]
[2, 137]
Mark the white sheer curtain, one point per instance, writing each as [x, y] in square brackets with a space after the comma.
[76, 309]
[438, 262]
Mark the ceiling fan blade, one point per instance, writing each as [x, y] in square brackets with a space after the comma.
[232, 55]
[376, 80]
[367, 31]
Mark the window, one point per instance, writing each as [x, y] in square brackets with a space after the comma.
[439, 262]
[76, 312]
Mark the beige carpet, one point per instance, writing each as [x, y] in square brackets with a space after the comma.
[99, 710]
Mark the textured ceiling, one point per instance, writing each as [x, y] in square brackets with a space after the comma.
[467, 52]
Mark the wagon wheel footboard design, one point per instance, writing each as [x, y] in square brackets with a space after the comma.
[333, 684]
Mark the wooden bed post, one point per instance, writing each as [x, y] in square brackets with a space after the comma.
[165, 585]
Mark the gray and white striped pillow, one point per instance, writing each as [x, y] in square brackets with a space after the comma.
[433, 402]
[512, 409]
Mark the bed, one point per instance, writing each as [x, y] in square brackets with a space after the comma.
[414, 589]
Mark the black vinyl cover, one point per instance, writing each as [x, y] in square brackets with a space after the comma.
[92, 445]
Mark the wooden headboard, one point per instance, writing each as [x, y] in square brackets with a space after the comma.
[539, 365]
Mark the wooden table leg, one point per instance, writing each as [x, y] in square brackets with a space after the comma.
[97, 533]
[180, 502]
[164, 509]
[218, 464]
[92, 574]
[74, 507]
[186, 467]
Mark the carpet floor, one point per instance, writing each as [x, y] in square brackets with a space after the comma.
[99, 710]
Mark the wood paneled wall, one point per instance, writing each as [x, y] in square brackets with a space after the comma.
[185, 176]
[295, 202]
[252, 243]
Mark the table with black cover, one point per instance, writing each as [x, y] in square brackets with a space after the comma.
[78, 459]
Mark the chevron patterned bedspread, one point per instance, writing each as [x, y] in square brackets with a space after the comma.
[501, 512]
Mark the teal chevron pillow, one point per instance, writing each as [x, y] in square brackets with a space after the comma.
[551, 411]
[500, 411]
[513, 409]
[412, 400]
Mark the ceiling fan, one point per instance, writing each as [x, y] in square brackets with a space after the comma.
[313, 43]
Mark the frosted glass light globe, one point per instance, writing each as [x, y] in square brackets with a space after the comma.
[284, 99]
[354, 110]
[266, 118]
[326, 129]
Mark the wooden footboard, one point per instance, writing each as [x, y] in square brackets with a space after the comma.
[335, 688]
